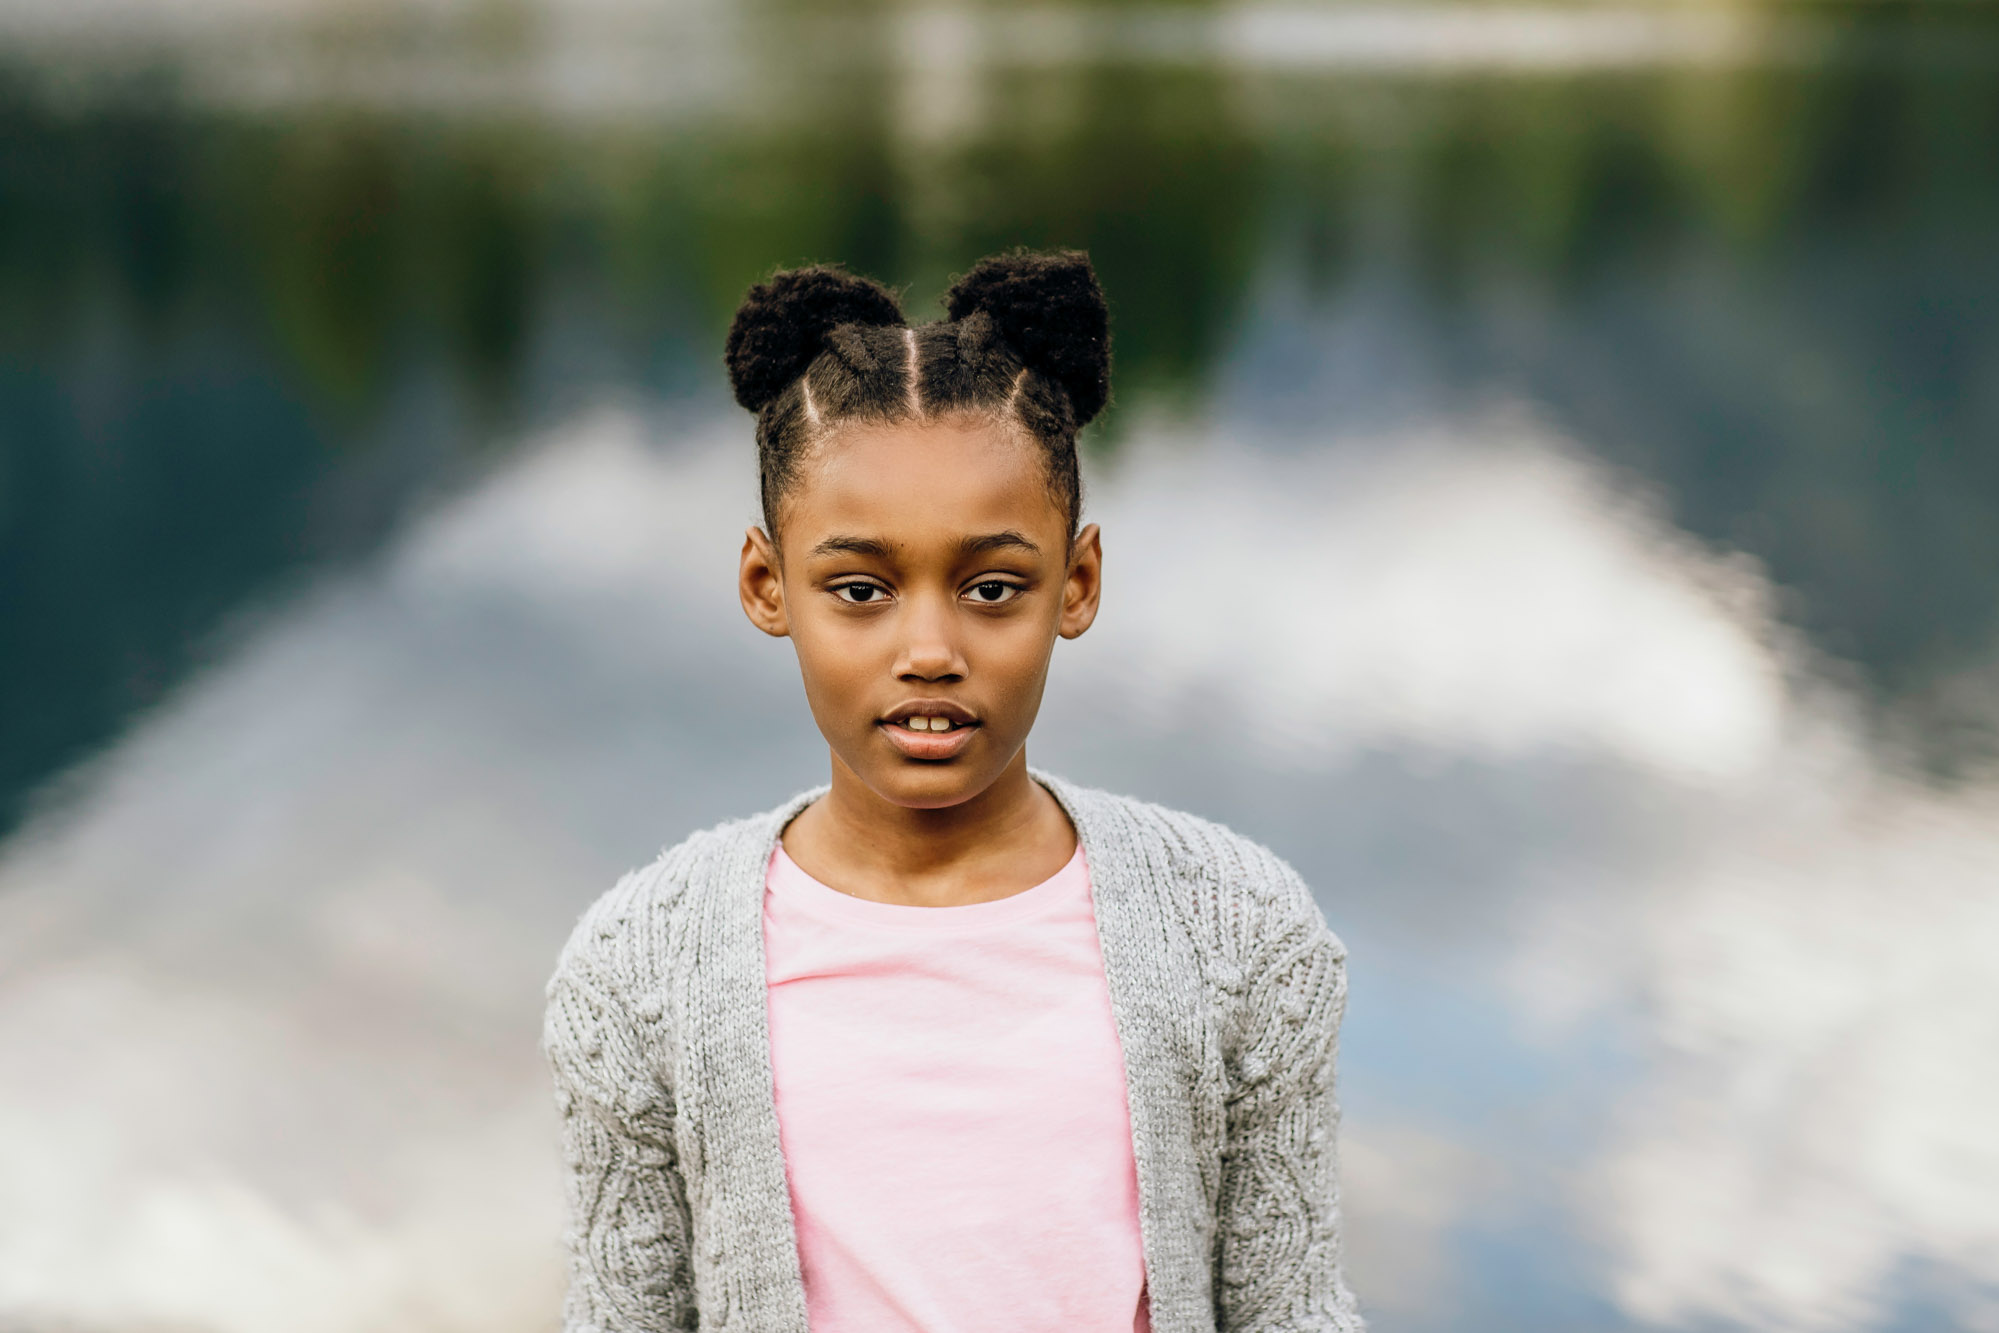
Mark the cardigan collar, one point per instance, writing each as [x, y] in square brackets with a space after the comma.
[770, 825]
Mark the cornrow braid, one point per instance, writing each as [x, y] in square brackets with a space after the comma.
[1026, 339]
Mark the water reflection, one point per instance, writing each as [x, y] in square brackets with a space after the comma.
[1547, 502]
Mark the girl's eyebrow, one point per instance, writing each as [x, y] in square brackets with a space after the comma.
[998, 541]
[884, 550]
[873, 546]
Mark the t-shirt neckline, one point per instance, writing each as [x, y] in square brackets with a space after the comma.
[784, 878]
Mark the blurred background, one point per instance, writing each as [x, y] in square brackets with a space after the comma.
[1552, 498]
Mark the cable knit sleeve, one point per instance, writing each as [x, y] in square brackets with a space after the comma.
[1280, 1244]
[628, 1226]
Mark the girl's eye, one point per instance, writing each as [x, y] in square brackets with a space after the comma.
[860, 593]
[992, 592]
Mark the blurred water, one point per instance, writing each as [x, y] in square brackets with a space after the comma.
[1552, 500]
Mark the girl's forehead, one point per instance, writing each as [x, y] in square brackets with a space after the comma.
[946, 442]
[922, 477]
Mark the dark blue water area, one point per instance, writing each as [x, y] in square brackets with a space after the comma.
[155, 493]
[164, 490]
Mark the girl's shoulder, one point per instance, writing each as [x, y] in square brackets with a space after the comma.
[634, 928]
[1236, 892]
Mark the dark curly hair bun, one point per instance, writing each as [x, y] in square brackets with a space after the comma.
[1051, 311]
[782, 324]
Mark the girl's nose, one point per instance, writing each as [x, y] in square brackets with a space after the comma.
[930, 648]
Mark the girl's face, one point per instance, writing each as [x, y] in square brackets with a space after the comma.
[926, 573]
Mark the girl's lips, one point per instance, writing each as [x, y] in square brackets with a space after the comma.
[928, 744]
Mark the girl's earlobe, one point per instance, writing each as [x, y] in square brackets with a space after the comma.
[760, 585]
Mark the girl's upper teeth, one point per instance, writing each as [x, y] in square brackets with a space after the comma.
[929, 724]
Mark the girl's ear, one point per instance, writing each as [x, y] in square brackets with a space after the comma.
[760, 586]
[1085, 582]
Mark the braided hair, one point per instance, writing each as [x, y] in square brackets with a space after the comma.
[1026, 340]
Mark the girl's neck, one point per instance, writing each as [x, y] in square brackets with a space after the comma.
[1008, 838]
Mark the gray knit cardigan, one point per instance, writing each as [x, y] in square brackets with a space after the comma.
[1227, 990]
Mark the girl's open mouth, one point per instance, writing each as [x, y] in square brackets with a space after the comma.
[930, 723]
[930, 733]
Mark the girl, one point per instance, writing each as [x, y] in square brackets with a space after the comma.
[949, 1045]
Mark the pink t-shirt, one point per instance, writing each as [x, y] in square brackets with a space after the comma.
[951, 1100]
